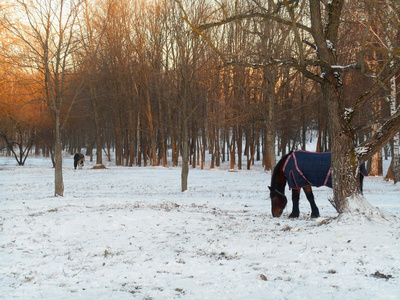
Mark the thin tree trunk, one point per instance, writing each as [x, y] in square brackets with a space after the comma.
[217, 151]
[376, 162]
[162, 136]
[58, 178]
[151, 125]
[232, 149]
[185, 158]
[252, 148]
[203, 150]
[270, 160]
[239, 142]
[138, 142]
[194, 150]
[211, 147]
[131, 134]
[185, 145]
[118, 141]
[173, 137]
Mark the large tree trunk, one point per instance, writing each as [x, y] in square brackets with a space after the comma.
[345, 174]
[345, 165]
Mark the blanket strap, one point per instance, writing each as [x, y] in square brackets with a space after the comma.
[298, 169]
[327, 176]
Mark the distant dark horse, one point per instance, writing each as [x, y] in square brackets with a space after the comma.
[301, 170]
[79, 160]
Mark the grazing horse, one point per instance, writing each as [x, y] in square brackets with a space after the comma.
[301, 170]
[79, 159]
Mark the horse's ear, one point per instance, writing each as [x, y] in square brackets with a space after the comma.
[270, 188]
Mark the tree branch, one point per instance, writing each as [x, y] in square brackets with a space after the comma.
[380, 138]
[250, 15]
[198, 31]
[376, 87]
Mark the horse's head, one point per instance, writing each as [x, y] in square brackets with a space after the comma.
[278, 202]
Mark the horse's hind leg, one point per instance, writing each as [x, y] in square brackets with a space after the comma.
[295, 200]
[310, 198]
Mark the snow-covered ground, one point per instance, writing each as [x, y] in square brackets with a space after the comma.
[130, 233]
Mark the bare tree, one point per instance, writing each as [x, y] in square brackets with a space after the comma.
[323, 65]
[48, 33]
[189, 60]
[392, 32]
[18, 128]
[92, 28]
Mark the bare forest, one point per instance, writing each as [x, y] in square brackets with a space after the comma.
[165, 82]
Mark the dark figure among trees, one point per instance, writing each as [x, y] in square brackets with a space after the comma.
[79, 160]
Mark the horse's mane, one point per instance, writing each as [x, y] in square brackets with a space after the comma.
[278, 168]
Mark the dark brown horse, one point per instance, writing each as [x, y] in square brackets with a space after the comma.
[301, 170]
[79, 160]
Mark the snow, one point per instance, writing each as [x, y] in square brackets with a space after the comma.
[362, 150]
[359, 207]
[348, 112]
[129, 233]
[330, 46]
[344, 67]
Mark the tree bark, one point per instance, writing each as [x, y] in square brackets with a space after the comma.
[185, 141]
[97, 127]
[376, 162]
[185, 158]
[118, 140]
[239, 141]
[163, 150]
[151, 125]
[270, 160]
[345, 164]
[58, 175]
[395, 165]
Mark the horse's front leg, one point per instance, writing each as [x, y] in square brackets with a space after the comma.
[310, 198]
[295, 200]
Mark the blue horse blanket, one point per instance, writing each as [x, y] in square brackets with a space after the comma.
[304, 168]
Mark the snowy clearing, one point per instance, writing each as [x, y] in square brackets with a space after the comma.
[129, 233]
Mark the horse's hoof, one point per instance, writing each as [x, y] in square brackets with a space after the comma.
[292, 215]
